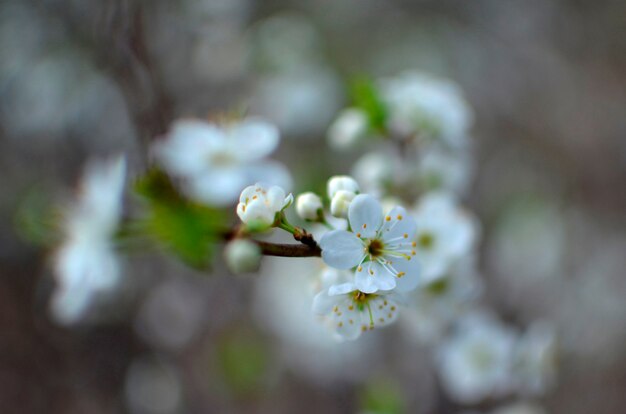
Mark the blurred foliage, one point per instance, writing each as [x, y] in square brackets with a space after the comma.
[365, 97]
[34, 222]
[382, 396]
[188, 229]
[243, 360]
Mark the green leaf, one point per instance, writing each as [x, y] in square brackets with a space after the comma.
[382, 396]
[34, 221]
[365, 97]
[188, 229]
[243, 362]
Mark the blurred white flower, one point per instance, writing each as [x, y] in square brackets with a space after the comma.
[259, 203]
[475, 363]
[445, 234]
[301, 103]
[216, 161]
[242, 256]
[341, 182]
[380, 247]
[444, 170]
[438, 304]
[378, 171]
[534, 365]
[308, 206]
[86, 264]
[284, 297]
[351, 312]
[350, 127]
[425, 106]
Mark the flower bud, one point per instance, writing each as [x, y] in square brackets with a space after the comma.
[308, 205]
[341, 182]
[259, 204]
[348, 128]
[242, 256]
[340, 203]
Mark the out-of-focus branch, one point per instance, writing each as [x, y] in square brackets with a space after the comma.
[117, 44]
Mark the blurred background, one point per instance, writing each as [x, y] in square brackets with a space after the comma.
[78, 79]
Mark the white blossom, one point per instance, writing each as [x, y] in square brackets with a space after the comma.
[381, 248]
[341, 182]
[475, 363]
[378, 171]
[445, 234]
[340, 203]
[350, 312]
[259, 203]
[438, 304]
[86, 264]
[442, 170]
[284, 296]
[214, 162]
[425, 106]
[242, 256]
[308, 206]
[350, 127]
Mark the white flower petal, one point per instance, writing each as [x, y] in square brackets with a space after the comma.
[346, 320]
[364, 280]
[188, 147]
[323, 303]
[411, 273]
[253, 139]
[384, 310]
[365, 215]
[398, 225]
[383, 278]
[270, 172]
[275, 198]
[341, 289]
[218, 187]
[341, 249]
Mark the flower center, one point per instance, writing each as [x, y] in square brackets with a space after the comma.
[221, 159]
[375, 248]
[426, 241]
[481, 357]
[361, 297]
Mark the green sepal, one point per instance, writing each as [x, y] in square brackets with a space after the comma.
[188, 229]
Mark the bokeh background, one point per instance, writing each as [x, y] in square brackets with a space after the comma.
[78, 79]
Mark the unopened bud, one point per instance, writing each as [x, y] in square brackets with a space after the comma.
[340, 203]
[341, 182]
[308, 206]
[242, 256]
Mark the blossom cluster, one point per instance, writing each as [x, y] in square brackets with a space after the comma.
[394, 235]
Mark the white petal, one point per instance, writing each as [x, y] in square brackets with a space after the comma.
[365, 280]
[345, 321]
[341, 289]
[275, 198]
[411, 269]
[341, 249]
[253, 139]
[384, 311]
[366, 215]
[219, 187]
[398, 225]
[385, 280]
[270, 172]
[323, 303]
[187, 148]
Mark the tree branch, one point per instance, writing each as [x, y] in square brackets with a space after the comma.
[288, 250]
